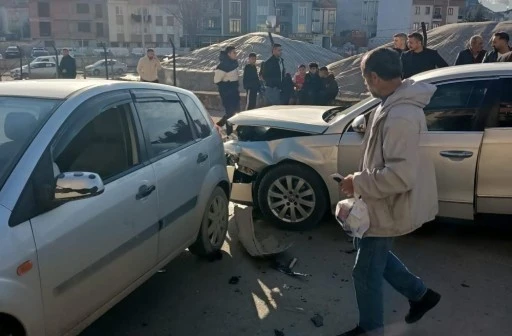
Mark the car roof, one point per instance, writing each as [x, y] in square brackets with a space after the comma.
[63, 88]
[466, 71]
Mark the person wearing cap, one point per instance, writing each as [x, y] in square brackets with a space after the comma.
[500, 46]
[148, 67]
[251, 82]
[67, 65]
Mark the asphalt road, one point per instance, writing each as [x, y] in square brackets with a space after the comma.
[470, 266]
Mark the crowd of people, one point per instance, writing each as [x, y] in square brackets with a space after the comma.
[314, 85]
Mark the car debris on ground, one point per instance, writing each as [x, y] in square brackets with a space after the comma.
[317, 320]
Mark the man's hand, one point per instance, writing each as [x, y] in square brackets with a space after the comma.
[347, 185]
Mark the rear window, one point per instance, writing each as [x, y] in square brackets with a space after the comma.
[20, 120]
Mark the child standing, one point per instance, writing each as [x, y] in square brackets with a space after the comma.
[251, 82]
[299, 80]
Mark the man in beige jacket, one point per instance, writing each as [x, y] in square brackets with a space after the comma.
[148, 67]
[397, 181]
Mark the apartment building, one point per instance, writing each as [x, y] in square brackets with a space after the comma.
[324, 17]
[435, 13]
[358, 15]
[219, 20]
[74, 23]
[14, 19]
[143, 23]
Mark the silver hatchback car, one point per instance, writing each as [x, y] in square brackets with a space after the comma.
[102, 183]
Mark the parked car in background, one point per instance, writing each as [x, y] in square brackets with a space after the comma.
[38, 70]
[50, 58]
[12, 52]
[102, 183]
[98, 68]
[36, 52]
[284, 156]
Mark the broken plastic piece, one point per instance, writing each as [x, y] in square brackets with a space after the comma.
[286, 270]
[245, 229]
[292, 263]
[317, 320]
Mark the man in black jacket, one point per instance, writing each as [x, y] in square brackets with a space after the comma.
[419, 58]
[251, 82]
[474, 54]
[273, 72]
[500, 46]
[312, 86]
[329, 87]
[67, 66]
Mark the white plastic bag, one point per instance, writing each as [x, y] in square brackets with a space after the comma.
[353, 216]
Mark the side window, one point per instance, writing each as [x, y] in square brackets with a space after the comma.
[505, 107]
[455, 106]
[200, 124]
[165, 125]
[106, 145]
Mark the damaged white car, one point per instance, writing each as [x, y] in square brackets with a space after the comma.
[284, 155]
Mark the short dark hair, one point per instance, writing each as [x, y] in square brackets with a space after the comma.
[313, 65]
[151, 50]
[252, 55]
[302, 66]
[385, 62]
[324, 68]
[401, 35]
[502, 35]
[276, 45]
[416, 36]
[229, 49]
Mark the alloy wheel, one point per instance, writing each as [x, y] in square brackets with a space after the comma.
[217, 220]
[291, 199]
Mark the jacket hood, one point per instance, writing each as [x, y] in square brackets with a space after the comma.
[411, 92]
[226, 64]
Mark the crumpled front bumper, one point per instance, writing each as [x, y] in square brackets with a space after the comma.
[241, 192]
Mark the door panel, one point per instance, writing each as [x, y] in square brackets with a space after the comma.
[455, 157]
[180, 160]
[90, 250]
[494, 189]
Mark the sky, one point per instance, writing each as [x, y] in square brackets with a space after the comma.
[497, 5]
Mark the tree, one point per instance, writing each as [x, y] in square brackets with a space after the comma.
[188, 14]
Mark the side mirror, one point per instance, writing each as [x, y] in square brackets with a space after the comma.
[359, 124]
[78, 185]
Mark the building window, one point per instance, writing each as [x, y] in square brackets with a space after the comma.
[301, 28]
[119, 10]
[331, 16]
[235, 26]
[262, 10]
[100, 32]
[280, 12]
[437, 11]
[159, 21]
[283, 29]
[211, 23]
[120, 29]
[302, 11]
[45, 29]
[43, 9]
[84, 27]
[82, 8]
[119, 20]
[418, 10]
[427, 10]
[416, 26]
[170, 21]
[98, 8]
[159, 37]
[427, 26]
[235, 8]
[450, 11]
[435, 25]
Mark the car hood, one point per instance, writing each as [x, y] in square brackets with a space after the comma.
[292, 117]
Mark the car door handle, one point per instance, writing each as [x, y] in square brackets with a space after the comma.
[145, 191]
[456, 154]
[202, 157]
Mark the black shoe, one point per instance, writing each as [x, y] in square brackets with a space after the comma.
[357, 331]
[420, 308]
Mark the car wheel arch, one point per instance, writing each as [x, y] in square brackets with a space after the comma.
[12, 322]
[281, 163]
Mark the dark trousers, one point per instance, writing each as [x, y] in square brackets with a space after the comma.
[155, 81]
[231, 105]
[252, 96]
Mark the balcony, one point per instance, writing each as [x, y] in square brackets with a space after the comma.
[138, 18]
[437, 17]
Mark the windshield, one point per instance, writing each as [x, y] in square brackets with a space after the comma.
[20, 119]
[335, 114]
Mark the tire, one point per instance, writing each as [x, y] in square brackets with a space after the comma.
[10, 327]
[214, 225]
[119, 72]
[96, 72]
[25, 76]
[287, 204]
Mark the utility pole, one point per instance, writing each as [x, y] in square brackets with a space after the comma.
[143, 25]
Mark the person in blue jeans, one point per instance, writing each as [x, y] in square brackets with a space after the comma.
[397, 182]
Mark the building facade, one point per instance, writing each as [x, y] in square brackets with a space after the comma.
[358, 15]
[324, 18]
[143, 23]
[293, 16]
[71, 23]
[14, 19]
[435, 13]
